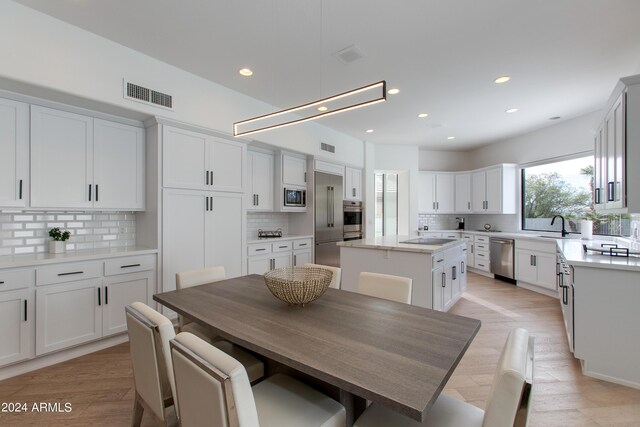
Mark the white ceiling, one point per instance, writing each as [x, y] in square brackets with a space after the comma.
[564, 56]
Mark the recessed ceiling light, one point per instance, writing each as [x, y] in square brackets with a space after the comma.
[369, 130]
[423, 115]
[245, 72]
[511, 110]
[451, 137]
[502, 79]
[393, 91]
[554, 118]
[322, 108]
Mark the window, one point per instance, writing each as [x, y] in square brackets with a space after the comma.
[565, 188]
[386, 204]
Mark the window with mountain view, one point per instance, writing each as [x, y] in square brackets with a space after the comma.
[565, 188]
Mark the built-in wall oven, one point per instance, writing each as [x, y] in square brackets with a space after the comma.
[352, 220]
[566, 293]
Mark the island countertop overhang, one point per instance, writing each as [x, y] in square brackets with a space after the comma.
[393, 243]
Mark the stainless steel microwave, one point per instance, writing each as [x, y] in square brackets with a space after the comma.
[295, 197]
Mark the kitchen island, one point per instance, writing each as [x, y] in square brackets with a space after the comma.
[437, 266]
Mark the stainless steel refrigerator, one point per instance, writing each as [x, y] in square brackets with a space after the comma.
[329, 218]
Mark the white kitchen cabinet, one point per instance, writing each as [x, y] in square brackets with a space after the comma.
[615, 147]
[16, 325]
[260, 167]
[436, 193]
[282, 260]
[294, 170]
[470, 250]
[450, 282]
[259, 265]
[463, 272]
[481, 258]
[81, 162]
[14, 154]
[599, 196]
[119, 292]
[119, 160]
[301, 257]
[462, 193]
[536, 268]
[197, 161]
[352, 184]
[201, 229]
[61, 159]
[493, 190]
[263, 257]
[438, 280]
[68, 314]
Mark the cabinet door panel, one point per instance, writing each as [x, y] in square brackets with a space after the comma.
[184, 159]
[447, 291]
[15, 329]
[261, 172]
[525, 270]
[258, 265]
[183, 234]
[437, 280]
[599, 169]
[294, 170]
[494, 190]
[14, 153]
[223, 232]
[352, 184]
[226, 161]
[426, 195]
[118, 165]
[68, 315]
[478, 191]
[61, 159]
[282, 260]
[463, 274]
[463, 193]
[119, 292]
[546, 269]
[300, 258]
[445, 188]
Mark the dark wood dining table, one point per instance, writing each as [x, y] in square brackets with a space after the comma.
[396, 355]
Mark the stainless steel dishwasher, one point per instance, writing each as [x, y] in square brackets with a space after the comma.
[502, 257]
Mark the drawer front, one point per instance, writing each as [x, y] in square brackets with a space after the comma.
[482, 256]
[259, 249]
[302, 244]
[451, 235]
[282, 246]
[61, 273]
[16, 279]
[480, 247]
[130, 264]
[546, 245]
[482, 264]
[468, 237]
[438, 259]
[481, 239]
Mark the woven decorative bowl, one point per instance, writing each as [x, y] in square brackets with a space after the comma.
[298, 285]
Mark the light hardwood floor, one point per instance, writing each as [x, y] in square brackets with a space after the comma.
[100, 385]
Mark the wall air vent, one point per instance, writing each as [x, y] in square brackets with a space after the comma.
[327, 147]
[349, 54]
[139, 93]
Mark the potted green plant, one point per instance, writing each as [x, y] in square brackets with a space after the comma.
[57, 245]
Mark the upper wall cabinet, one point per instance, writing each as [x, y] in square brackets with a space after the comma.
[436, 192]
[463, 193]
[494, 190]
[294, 170]
[352, 184]
[260, 167]
[197, 161]
[290, 178]
[14, 153]
[617, 141]
[81, 162]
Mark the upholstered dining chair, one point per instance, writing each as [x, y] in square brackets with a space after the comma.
[187, 279]
[213, 389]
[394, 288]
[507, 405]
[149, 336]
[337, 273]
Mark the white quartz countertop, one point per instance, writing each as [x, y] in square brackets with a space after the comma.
[507, 234]
[392, 243]
[279, 239]
[27, 260]
[575, 255]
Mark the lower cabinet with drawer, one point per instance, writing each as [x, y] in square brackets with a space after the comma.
[267, 256]
[481, 260]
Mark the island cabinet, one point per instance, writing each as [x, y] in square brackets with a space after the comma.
[438, 271]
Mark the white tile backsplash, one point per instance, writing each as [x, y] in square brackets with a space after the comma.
[472, 221]
[266, 221]
[28, 232]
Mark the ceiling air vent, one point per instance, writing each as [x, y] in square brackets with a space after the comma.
[148, 96]
[349, 54]
[327, 147]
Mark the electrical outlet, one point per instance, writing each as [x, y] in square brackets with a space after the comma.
[122, 230]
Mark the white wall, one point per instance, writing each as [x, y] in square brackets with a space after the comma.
[430, 160]
[55, 57]
[401, 158]
[566, 138]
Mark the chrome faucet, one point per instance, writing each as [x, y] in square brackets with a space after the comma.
[564, 232]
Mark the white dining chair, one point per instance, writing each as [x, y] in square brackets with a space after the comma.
[337, 273]
[149, 336]
[507, 405]
[187, 279]
[394, 288]
[213, 389]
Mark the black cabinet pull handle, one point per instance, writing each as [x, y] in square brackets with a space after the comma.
[257, 199]
[444, 279]
[70, 273]
[283, 247]
[453, 273]
[462, 269]
[206, 174]
[106, 295]
[261, 249]
[610, 192]
[211, 179]
[565, 295]
[89, 192]
[20, 190]
[97, 196]
[597, 196]
[99, 297]
[206, 204]
[26, 316]
[1, 283]
[302, 244]
[130, 265]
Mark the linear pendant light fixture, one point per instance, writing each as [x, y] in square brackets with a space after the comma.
[346, 101]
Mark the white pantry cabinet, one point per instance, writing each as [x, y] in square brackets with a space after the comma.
[260, 168]
[352, 184]
[436, 192]
[201, 229]
[81, 162]
[14, 153]
[16, 325]
[197, 161]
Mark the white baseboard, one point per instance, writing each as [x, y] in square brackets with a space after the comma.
[538, 289]
[585, 371]
[60, 356]
[481, 272]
